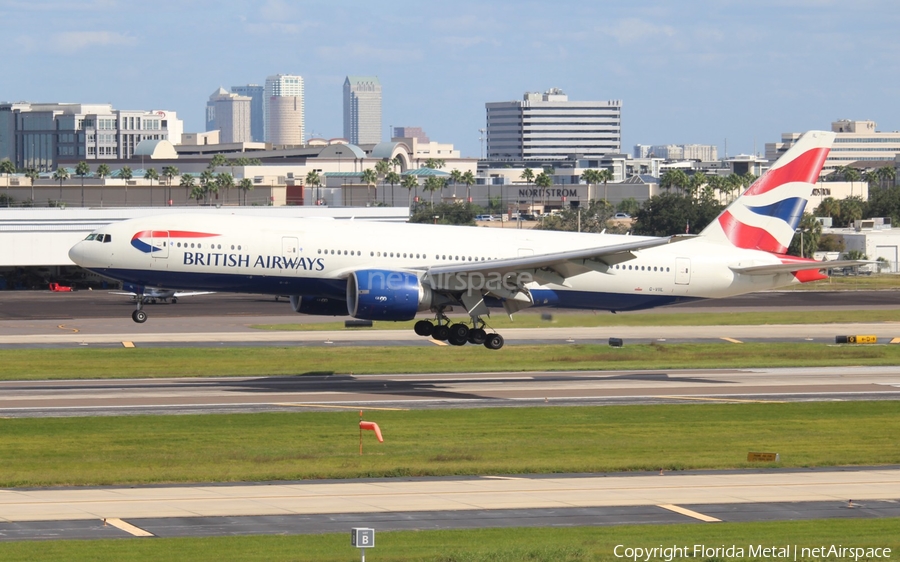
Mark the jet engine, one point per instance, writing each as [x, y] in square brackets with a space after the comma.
[378, 294]
[318, 306]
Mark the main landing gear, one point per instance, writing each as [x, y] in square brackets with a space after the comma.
[458, 334]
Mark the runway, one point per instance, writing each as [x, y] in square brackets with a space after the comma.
[463, 390]
[702, 497]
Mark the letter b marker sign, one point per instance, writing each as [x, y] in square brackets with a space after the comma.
[362, 537]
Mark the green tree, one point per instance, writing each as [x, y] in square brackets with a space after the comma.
[432, 184]
[152, 175]
[591, 177]
[225, 182]
[806, 240]
[102, 172]
[245, 185]
[33, 175]
[829, 207]
[392, 178]
[593, 218]
[126, 174]
[435, 163]
[216, 161]
[629, 205]
[887, 176]
[527, 175]
[369, 177]
[831, 243]
[447, 213]
[313, 180]
[468, 178]
[543, 181]
[410, 182]
[382, 167]
[8, 168]
[82, 169]
[169, 172]
[187, 182]
[853, 209]
[456, 179]
[397, 162]
[208, 184]
[61, 175]
[605, 176]
[674, 178]
[667, 214]
[885, 203]
[198, 193]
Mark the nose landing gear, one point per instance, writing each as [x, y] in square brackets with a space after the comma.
[139, 315]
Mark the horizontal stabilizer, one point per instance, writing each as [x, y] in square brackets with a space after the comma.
[773, 269]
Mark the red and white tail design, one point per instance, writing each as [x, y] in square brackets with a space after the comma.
[767, 214]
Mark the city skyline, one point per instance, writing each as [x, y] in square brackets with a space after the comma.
[703, 73]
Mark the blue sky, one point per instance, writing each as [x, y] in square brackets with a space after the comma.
[686, 72]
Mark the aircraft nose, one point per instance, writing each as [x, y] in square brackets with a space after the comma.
[76, 253]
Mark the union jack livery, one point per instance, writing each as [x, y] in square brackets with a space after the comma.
[387, 271]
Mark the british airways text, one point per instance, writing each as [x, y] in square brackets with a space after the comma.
[213, 259]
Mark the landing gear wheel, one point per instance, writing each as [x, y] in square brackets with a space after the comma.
[477, 336]
[441, 333]
[494, 341]
[454, 339]
[460, 332]
[423, 328]
[139, 316]
[174, 300]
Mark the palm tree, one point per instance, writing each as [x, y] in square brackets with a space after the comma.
[590, 177]
[187, 182]
[245, 186]
[33, 175]
[544, 181]
[887, 175]
[605, 175]
[151, 174]
[8, 168]
[62, 175]
[382, 167]
[696, 183]
[435, 163]
[392, 178]
[469, 179]
[207, 179]
[102, 172]
[313, 179]
[369, 177]
[198, 193]
[397, 162]
[456, 178]
[82, 169]
[217, 160]
[225, 181]
[126, 174]
[674, 178]
[410, 182]
[169, 172]
[432, 184]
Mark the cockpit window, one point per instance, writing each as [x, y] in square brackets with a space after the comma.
[91, 236]
[107, 238]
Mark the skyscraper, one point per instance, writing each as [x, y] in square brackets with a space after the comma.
[284, 109]
[549, 126]
[229, 113]
[256, 93]
[362, 109]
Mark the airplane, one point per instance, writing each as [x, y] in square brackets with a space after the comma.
[152, 295]
[390, 271]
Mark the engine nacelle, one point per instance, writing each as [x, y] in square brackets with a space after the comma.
[318, 306]
[379, 294]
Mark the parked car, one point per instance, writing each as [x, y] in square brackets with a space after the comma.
[484, 218]
[622, 216]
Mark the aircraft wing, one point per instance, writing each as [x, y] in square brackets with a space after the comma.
[192, 293]
[506, 279]
[796, 266]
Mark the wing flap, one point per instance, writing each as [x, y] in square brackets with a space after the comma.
[772, 269]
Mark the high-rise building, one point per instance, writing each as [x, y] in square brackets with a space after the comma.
[39, 134]
[229, 114]
[411, 133]
[284, 109]
[257, 95]
[550, 127]
[362, 109]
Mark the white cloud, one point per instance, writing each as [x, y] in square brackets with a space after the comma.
[69, 41]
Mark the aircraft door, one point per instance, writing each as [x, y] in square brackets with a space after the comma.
[159, 240]
[682, 271]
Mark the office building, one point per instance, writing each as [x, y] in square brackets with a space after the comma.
[411, 133]
[37, 135]
[855, 141]
[257, 95]
[701, 152]
[550, 127]
[229, 114]
[284, 110]
[362, 109]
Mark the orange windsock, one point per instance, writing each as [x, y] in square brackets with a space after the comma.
[372, 426]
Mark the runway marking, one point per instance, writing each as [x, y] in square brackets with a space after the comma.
[339, 407]
[707, 399]
[732, 340]
[127, 344]
[689, 513]
[895, 340]
[437, 342]
[127, 527]
[502, 478]
[63, 327]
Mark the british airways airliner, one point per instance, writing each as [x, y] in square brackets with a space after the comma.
[385, 271]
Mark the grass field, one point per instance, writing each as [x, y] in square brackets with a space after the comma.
[80, 363]
[578, 544]
[601, 319]
[304, 445]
